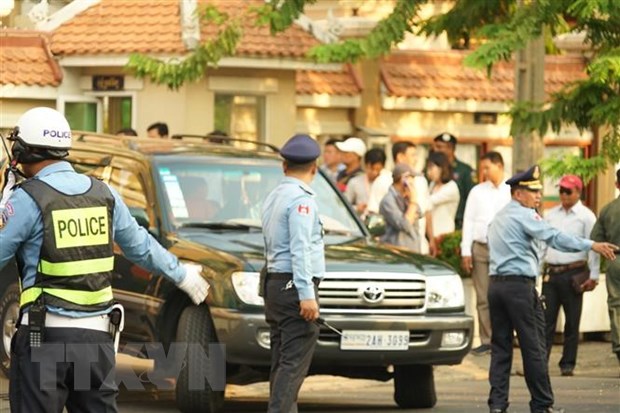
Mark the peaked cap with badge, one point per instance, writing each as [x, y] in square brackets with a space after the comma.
[300, 149]
[529, 179]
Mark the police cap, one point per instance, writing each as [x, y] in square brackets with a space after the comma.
[300, 149]
[445, 137]
[529, 179]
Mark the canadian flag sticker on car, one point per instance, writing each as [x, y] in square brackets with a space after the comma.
[303, 209]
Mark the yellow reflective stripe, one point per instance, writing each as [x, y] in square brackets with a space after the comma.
[29, 295]
[73, 296]
[70, 268]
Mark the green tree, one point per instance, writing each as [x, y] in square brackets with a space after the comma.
[500, 28]
[588, 103]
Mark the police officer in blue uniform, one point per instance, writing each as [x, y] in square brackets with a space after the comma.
[514, 236]
[61, 226]
[294, 252]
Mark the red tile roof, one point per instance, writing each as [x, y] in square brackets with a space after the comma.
[154, 26]
[25, 59]
[344, 82]
[441, 75]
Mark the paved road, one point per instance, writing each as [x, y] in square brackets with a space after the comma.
[461, 389]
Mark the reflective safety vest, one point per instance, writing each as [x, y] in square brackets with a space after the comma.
[77, 256]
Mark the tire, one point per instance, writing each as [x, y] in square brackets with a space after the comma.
[196, 327]
[414, 387]
[9, 313]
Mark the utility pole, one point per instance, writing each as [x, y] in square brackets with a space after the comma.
[528, 149]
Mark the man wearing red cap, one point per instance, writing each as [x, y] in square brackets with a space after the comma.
[568, 274]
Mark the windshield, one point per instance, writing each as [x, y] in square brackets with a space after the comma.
[228, 193]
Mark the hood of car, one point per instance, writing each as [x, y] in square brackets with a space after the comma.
[342, 254]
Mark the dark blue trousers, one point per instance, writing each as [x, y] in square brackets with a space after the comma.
[558, 292]
[37, 389]
[515, 306]
[292, 344]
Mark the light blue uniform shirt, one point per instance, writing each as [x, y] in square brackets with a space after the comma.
[294, 234]
[22, 234]
[513, 241]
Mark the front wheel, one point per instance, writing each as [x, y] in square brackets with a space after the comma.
[414, 387]
[196, 327]
[9, 314]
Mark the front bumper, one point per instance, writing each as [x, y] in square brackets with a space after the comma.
[240, 333]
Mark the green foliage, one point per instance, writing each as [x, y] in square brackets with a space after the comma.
[279, 15]
[387, 33]
[450, 251]
[588, 103]
[563, 164]
[466, 18]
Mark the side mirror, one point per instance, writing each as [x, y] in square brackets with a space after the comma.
[142, 218]
[375, 224]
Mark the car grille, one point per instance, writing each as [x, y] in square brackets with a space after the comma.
[372, 293]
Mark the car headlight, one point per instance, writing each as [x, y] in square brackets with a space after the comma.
[246, 287]
[444, 291]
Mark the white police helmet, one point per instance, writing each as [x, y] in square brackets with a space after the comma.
[44, 128]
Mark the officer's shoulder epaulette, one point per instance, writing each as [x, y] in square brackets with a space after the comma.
[305, 190]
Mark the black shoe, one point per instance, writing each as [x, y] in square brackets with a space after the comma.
[481, 350]
[566, 371]
[550, 410]
[498, 411]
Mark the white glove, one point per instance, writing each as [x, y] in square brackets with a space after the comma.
[193, 284]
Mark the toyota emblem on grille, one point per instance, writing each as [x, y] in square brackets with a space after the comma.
[372, 294]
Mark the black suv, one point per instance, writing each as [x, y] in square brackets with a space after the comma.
[400, 313]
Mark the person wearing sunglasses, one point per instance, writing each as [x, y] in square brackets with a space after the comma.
[568, 274]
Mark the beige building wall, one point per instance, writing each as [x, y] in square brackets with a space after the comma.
[156, 103]
[426, 125]
[12, 109]
[190, 108]
[323, 121]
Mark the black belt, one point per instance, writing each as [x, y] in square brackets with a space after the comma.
[518, 278]
[558, 268]
[287, 276]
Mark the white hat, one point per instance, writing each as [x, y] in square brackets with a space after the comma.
[44, 128]
[355, 145]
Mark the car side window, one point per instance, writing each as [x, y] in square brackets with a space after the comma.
[129, 186]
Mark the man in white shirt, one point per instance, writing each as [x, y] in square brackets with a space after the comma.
[568, 274]
[483, 202]
[359, 187]
[405, 152]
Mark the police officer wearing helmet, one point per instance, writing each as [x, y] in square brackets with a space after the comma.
[61, 226]
[294, 251]
[514, 236]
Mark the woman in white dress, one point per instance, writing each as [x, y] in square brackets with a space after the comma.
[444, 193]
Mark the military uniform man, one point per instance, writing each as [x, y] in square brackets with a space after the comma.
[514, 303]
[607, 228]
[61, 226]
[294, 250]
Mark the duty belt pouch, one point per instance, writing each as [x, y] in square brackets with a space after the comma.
[578, 279]
[262, 278]
[117, 324]
[36, 323]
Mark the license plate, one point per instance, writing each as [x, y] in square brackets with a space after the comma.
[374, 340]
